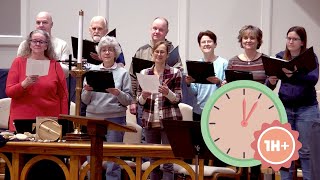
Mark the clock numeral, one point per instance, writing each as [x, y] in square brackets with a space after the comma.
[216, 107]
[228, 96]
[244, 155]
[271, 107]
[216, 140]
[228, 151]
[212, 123]
[244, 91]
[259, 95]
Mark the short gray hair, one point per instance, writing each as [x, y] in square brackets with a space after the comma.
[109, 41]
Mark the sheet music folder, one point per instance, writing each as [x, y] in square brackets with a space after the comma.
[140, 64]
[184, 136]
[174, 57]
[87, 47]
[305, 63]
[100, 80]
[200, 71]
[234, 75]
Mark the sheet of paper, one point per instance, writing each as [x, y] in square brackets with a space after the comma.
[149, 83]
[37, 67]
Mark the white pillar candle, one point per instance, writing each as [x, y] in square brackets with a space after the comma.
[80, 37]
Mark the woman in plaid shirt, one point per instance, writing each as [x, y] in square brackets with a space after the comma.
[161, 105]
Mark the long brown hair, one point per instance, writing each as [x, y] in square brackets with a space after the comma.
[49, 52]
[303, 37]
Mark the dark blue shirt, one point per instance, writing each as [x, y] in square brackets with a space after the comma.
[299, 90]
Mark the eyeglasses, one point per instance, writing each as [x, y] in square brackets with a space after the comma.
[293, 39]
[34, 41]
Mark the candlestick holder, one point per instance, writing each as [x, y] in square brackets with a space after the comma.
[77, 135]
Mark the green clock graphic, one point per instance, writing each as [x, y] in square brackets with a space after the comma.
[231, 116]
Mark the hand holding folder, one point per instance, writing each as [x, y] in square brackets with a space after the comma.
[200, 71]
[88, 47]
[305, 63]
[100, 80]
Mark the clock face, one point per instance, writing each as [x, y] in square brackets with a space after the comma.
[231, 116]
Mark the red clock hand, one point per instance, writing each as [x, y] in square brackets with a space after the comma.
[244, 123]
[244, 107]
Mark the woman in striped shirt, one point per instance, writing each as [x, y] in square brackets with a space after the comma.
[250, 39]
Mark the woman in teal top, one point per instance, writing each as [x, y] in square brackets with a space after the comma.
[207, 42]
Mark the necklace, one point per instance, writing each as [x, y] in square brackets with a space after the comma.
[250, 59]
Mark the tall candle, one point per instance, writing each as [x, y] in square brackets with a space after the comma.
[80, 37]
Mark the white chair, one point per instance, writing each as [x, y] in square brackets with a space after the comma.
[133, 137]
[186, 111]
[4, 112]
[130, 117]
[213, 172]
[318, 96]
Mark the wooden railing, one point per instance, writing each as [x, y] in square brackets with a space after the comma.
[19, 167]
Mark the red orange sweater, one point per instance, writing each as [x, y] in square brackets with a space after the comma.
[47, 97]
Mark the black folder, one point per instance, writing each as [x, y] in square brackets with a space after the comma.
[174, 57]
[100, 80]
[112, 33]
[234, 75]
[140, 64]
[305, 63]
[200, 71]
[87, 48]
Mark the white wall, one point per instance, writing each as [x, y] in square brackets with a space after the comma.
[187, 18]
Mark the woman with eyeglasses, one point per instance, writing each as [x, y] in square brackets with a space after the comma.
[111, 104]
[162, 105]
[33, 95]
[298, 95]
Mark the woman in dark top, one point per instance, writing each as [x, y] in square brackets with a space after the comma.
[298, 95]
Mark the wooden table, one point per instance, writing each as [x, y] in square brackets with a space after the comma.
[19, 168]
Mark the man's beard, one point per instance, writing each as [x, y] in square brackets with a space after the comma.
[96, 38]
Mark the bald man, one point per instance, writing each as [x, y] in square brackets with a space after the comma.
[99, 28]
[158, 31]
[61, 49]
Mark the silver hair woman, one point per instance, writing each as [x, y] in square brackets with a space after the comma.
[26, 50]
[111, 42]
[111, 105]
